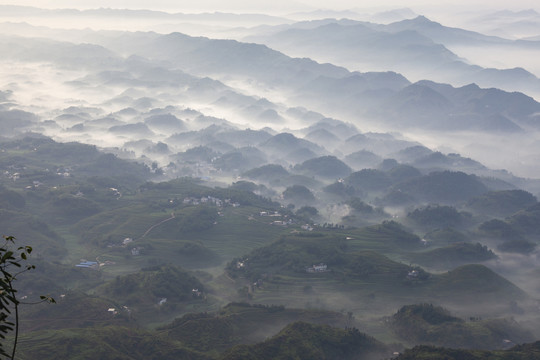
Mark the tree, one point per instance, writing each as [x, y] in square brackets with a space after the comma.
[11, 265]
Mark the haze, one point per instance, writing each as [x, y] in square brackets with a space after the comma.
[340, 164]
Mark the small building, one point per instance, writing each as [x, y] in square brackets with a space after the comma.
[317, 268]
[88, 264]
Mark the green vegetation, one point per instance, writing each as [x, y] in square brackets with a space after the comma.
[394, 234]
[298, 193]
[444, 187]
[428, 324]
[54, 277]
[307, 341]
[307, 212]
[11, 200]
[294, 254]
[527, 221]
[41, 237]
[339, 189]
[267, 173]
[107, 343]
[240, 323]
[197, 154]
[151, 284]
[395, 197]
[452, 255]
[403, 172]
[242, 159]
[499, 229]
[446, 236]
[506, 232]
[474, 281]
[244, 185]
[519, 352]
[188, 220]
[368, 180]
[433, 217]
[502, 203]
[13, 264]
[328, 167]
[251, 249]
[74, 309]
[39, 158]
[360, 206]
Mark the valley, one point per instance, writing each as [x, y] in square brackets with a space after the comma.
[314, 188]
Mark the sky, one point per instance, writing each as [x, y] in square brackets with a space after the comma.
[274, 6]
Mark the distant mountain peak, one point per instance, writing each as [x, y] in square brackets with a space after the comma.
[422, 20]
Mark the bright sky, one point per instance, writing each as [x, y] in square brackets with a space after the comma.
[275, 5]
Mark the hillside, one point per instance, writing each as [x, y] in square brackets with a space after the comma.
[474, 281]
[454, 255]
[35, 233]
[428, 324]
[214, 182]
[241, 323]
[437, 217]
[444, 187]
[294, 254]
[153, 284]
[306, 341]
[328, 167]
[112, 342]
[519, 352]
[502, 203]
[266, 173]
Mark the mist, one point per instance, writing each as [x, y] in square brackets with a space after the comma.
[296, 161]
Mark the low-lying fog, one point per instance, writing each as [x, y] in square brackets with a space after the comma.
[54, 89]
[51, 93]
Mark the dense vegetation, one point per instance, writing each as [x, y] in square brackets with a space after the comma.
[296, 254]
[151, 285]
[429, 324]
[125, 255]
[306, 341]
[502, 203]
[455, 254]
[433, 217]
[519, 352]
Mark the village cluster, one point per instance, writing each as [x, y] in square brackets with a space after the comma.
[135, 251]
[285, 220]
[210, 200]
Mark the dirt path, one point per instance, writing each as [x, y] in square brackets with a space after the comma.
[147, 231]
[156, 225]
